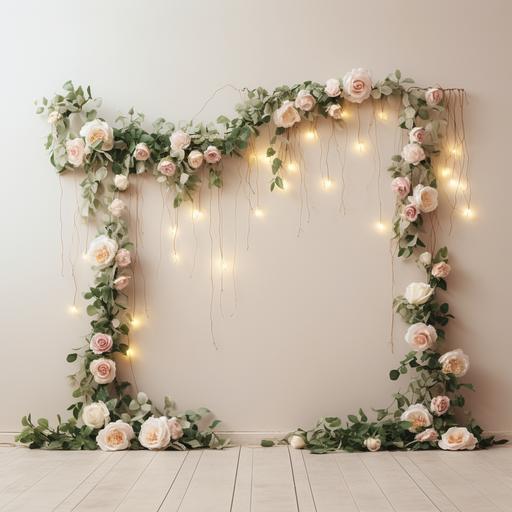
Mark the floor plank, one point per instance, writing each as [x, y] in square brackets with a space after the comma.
[242, 497]
[303, 489]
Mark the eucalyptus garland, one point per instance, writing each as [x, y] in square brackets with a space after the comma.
[105, 413]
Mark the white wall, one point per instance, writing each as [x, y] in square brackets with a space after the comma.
[309, 333]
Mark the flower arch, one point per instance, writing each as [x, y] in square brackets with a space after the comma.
[105, 414]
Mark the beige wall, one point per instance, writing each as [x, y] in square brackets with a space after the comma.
[308, 334]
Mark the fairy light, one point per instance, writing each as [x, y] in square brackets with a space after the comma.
[175, 257]
[264, 158]
[135, 322]
[445, 172]
[380, 226]
[291, 167]
[383, 116]
[345, 114]
[360, 146]
[327, 184]
[286, 186]
[455, 151]
[84, 255]
[197, 214]
[223, 264]
[73, 310]
[310, 135]
[468, 213]
[129, 352]
[258, 212]
[453, 183]
[253, 156]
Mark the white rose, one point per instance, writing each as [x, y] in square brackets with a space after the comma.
[357, 85]
[75, 150]
[115, 436]
[212, 155]
[116, 323]
[305, 100]
[121, 181]
[421, 336]
[413, 153]
[418, 416]
[297, 442]
[429, 435]
[418, 293]
[195, 159]
[332, 87]
[95, 415]
[141, 152]
[286, 115]
[335, 111]
[54, 117]
[372, 444]
[457, 438]
[425, 198]
[434, 96]
[455, 362]
[154, 433]
[175, 428]
[417, 134]
[99, 133]
[180, 140]
[103, 370]
[102, 251]
[116, 207]
[425, 258]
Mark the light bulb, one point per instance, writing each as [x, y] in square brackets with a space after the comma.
[445, 172]
[175, 257]
[197, 214]
[291, 167]
[380, 226]
[258, 212]
[455, 150]
[285, 185]
[73, 310]
[310, 135]
[135, 322]
[383, 116]
[360, 146]
[453, 183]
[84, 255]
[223, 264]
[345, 114]
[263, 157]
[468, 213]
[129, 352]
[327, 183]
[253, 156]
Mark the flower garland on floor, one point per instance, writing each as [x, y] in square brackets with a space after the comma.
[105, 414]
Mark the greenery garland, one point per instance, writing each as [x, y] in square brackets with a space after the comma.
[113, 418]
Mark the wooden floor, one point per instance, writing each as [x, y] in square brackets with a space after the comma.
[255, 479]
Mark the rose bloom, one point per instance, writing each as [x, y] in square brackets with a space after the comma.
[457, 438]
[425, 258]
[103, 370]
[212, 155]
[418, 293]
[441, 270]
[175, 428]
[357, 85]
[410, 212]
[166, 167]
[440, 405]
[429, 435]
[54, 117]
[102, 251]
[116, 207]
[425, 198]
[195, 159]
[123, 258]
[421, 336]
[297, 442]
[455, 362]
[141, 152]
[180, 140]
[96, 132]
[75, 149]
[332, 87]
[154, 434]
[115, 436]
[121, 282]
[401, 186]
[95, 415]
[286, 115]
[121, 181]
[417, 134]
[305, 100]
[418, 416]
[372, 444]
[434, 96]
[335, 111]
[101, 343]
[413, 153]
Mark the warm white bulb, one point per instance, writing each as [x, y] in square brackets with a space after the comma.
[445, 172]
[197, 214]
[345, 114]
[223, 264]
[455, 151]
[84, 255]
[175, 257]
[291, 166]
[468, 213]
[173, 230]
[135, 322]
[327, 183]
[383, 116]
[310, 135]
[73, 310]
[380, 226]
[129, 352]
[360, 146]
[258, 212]
[285, 185]
[453, 183]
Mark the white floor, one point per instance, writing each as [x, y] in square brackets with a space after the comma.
[255, 479]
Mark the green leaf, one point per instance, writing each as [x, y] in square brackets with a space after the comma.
[70, 358]
[267, 443]
[394, 374]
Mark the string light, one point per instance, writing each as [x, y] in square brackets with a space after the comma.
[285, 185]
[223, 264]
[291, 166]
[327, 183]
[197, 214]
[468, 213]
[453, 183]
[129, 352]
[380, 226]
[73, 310]
[360, 146]
[455, 151]
[445, 172]
[135, 322]
[258, 212]
[253, 156]
[345, 114]
[383, 116]
[84, 255]
[175, 257]
[310, 135]
[264, 158]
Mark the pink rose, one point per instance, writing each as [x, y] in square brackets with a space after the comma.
[357, 85]
[121, 282]
[175, 428]
[212, 155]
[429, 435]
[305, 101]
[286, 115]
[413, 153]
[166, 167]
[195, 159]
[410, 212]
[421, 336]
[332, 87]
[180, 140]
[434, 96]
[123, 258]
[335, 111]
[75, 149]
[401, 186]
[101, 343]
[441, 270]
[103, 370]
[440, 405]
[417, 135]
[141, 152]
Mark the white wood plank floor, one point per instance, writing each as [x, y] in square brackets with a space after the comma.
[255, 480]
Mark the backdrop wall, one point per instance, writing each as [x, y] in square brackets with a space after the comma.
[303, 323]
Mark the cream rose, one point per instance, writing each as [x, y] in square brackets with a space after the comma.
[413, 153]
[305, 100]
[98, 133]
[101, 343]
[121, 182]
[121, 282]
[103, 370]
[455, 362]
[417, 135]
[427, 436]
[332, 87]
[297, 442]
[457, 438]
[418, 416]
[175, 428]
[440, 405]
[75, 150]
[116, 207]
[401, 186]
[425, 198]
[425, 258]
[441, 270]
[418, 293]
[95, 415]
[357, 85]
[115, 436]
[154, 433]
[166, 167]
[141, 152]
[335, 111]
[180, 140]
[410, 212]
[421, 336]
[102, 251]
[434, 96]
[54, 117]
[286, 115]
[195, 159]
[123, 258]
[372, 444]
[212, 155]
